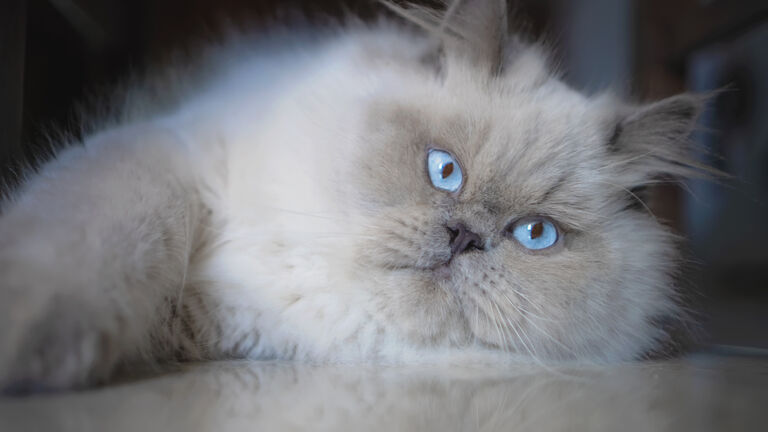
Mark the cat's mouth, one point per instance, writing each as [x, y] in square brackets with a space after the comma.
[440, 264]
[442, 271]
[445, 270]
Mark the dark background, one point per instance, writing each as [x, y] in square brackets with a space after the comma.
[58, 53]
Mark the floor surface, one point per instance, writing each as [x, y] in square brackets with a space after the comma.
[711, 392]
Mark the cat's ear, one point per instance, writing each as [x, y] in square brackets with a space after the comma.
[471, 31]
[653, 140]
[477, 32]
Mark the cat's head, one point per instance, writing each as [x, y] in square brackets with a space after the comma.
[495, 204]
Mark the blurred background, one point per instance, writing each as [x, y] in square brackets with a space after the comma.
[57, 53]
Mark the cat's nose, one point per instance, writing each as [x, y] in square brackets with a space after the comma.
[461, 239]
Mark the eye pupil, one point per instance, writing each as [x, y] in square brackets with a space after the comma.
[447, 170]
[537, 230]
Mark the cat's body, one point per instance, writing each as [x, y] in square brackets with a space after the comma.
[282, 209]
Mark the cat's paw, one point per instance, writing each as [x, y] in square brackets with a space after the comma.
[65, 348]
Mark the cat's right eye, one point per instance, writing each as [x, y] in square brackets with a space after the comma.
[535, 233]
[444, 170]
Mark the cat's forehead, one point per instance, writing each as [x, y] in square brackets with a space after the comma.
[529, 151]
[536, 155]
[518, 131]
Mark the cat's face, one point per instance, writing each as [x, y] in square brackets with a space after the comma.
[556, 263]
[497, 210]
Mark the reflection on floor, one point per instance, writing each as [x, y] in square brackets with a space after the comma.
[712, 392]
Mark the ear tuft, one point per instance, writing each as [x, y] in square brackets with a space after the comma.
[481, 27]
[653, 140]
[670, 120]
[474, 31]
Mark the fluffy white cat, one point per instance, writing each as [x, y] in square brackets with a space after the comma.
[385, 192]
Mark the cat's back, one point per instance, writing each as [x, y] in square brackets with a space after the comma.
[250, 75]
[287, 101]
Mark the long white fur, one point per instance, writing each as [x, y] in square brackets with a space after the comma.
[229, 224]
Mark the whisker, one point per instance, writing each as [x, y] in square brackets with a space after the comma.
[526, 312]
[520, 293]
[635, 196]
[624, 161]
[543, 332]
[495, 322]
[533, 355]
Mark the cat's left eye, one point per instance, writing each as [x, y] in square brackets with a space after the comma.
[444, 170]
[534, 233]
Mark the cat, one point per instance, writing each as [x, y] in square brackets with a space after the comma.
[382, 192]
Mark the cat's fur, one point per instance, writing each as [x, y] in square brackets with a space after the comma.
[281, 209]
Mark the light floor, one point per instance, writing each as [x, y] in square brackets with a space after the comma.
[706, 392]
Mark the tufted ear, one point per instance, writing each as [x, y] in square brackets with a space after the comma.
[473, 31]
[481, 32]
[653, 140]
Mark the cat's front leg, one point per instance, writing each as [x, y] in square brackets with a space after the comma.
[58, 341]
[93, 253]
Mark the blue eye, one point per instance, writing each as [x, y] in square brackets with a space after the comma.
[535, 233]
[444, 170]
